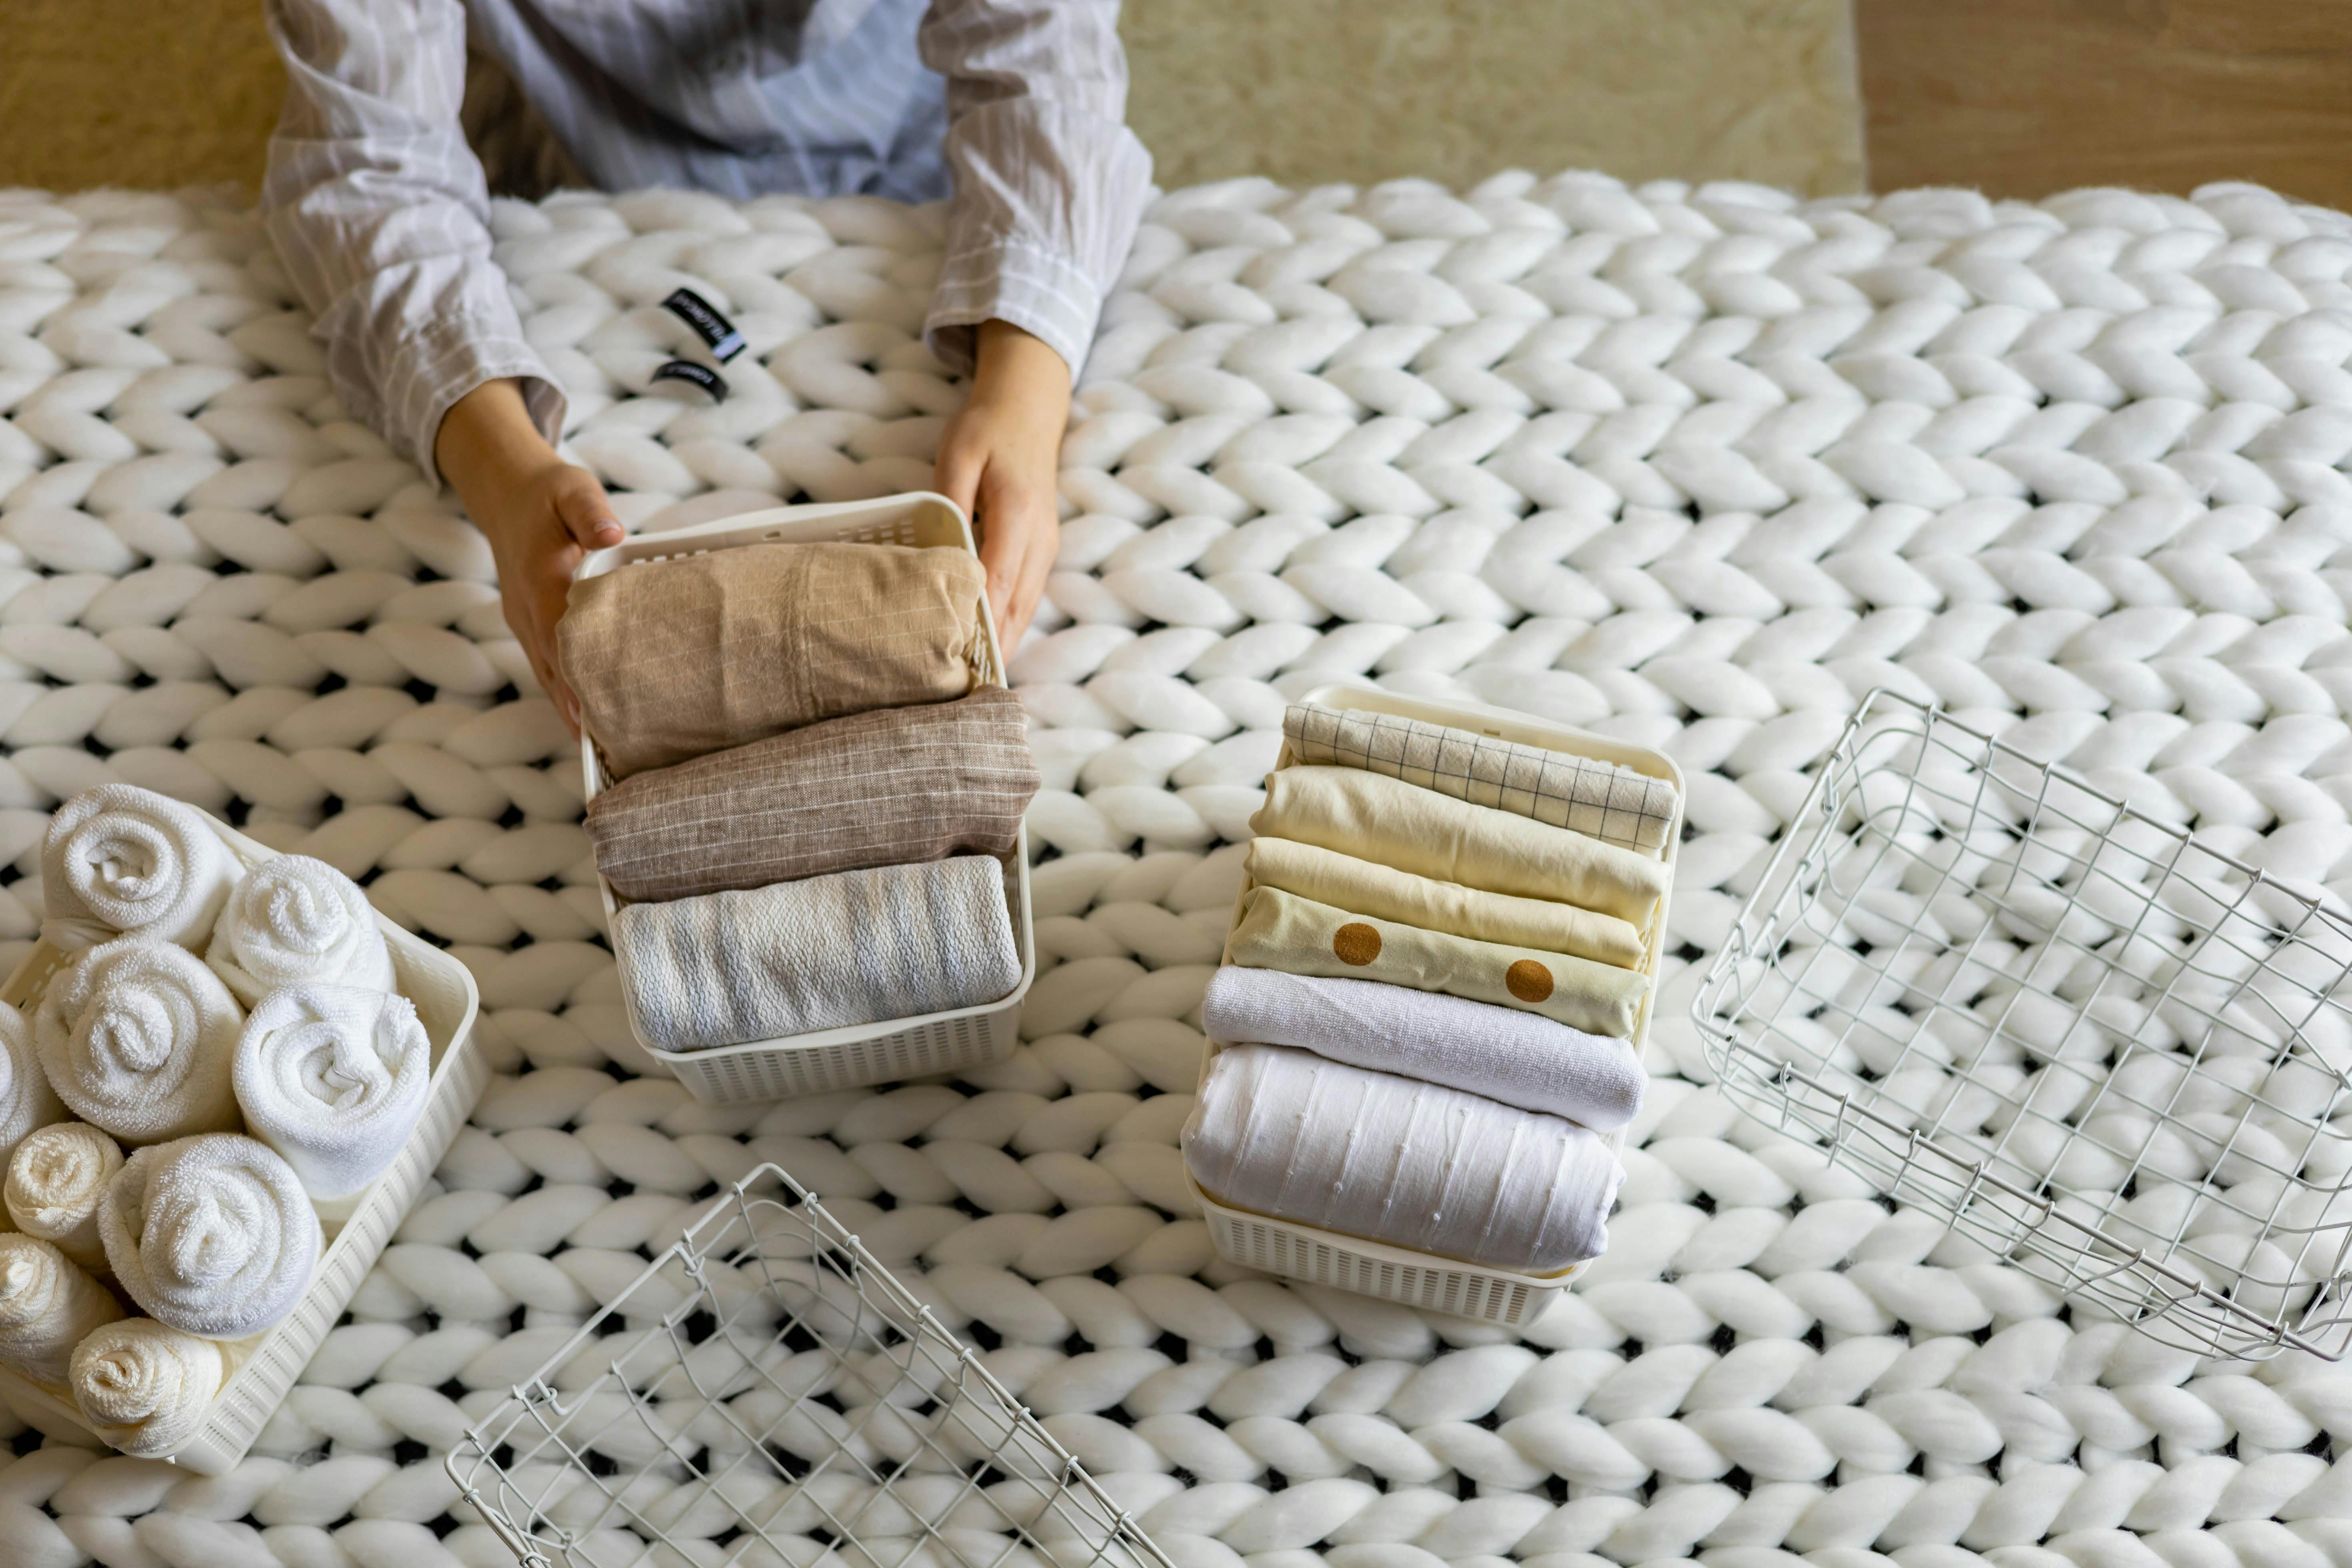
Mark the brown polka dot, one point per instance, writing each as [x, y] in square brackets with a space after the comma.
[1358, 944]
[1527, 980]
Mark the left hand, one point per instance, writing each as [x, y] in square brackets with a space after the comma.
[997, 460]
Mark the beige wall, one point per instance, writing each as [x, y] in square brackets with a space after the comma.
[166, 92]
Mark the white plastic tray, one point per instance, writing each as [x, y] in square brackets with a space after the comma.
[445, 1001]
[857, 1054]
[1397, 1273]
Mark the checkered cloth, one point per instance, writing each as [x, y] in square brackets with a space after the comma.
[1614, 805]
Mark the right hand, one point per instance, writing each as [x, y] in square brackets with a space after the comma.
[539, 513]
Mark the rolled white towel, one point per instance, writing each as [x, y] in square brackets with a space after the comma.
[119, 859]
[139, 1038]
[26, 1100]
[145, 1387]
[212, 1235]
[333, 1079]
[293, 919]
[47, 1306]
[55, 1178]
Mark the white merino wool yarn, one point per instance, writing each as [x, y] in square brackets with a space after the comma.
[145, 1387]
[139, 1038]
[123, 859]
[212, 1235]
[26, 1100]
[294, 919]
[333, 1078]
[55, 1180]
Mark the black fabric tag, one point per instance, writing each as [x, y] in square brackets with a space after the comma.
[708, 325]
[702, 375]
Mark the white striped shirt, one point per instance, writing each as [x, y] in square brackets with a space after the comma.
[380, 213]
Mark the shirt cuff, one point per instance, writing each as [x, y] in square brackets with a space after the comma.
[1042, 292]
[449, 361]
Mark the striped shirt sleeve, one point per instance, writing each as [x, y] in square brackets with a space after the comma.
[1050, 184]
[379, 211]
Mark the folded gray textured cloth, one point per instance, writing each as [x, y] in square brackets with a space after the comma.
[888, 787]
[856, 947]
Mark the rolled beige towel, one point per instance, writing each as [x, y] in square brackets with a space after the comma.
[211, 1235]
[139, 1038]
[47, 1306]
[55, 1180]
[145, 1387]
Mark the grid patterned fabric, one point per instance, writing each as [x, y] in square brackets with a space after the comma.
[1614, 805]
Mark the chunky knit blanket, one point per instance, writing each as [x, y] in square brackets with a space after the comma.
[1697, 467]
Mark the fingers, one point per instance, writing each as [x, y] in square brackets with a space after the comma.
[586, 514]
[956, 473]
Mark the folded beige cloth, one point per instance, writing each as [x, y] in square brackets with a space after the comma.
[47, 1306]
[1366, 887]
[1417, 830]
[891, 787]
[146, 1388]
[1282, 930]
[1614, 805]
[55, 1180]
[671, 660]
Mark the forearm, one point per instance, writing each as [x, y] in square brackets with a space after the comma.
[488, 438]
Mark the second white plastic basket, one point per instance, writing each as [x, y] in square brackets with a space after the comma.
[1396, 1273]
[857, 1054]
[446, 998]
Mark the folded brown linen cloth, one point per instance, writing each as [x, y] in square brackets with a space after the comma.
[891, 787]
[672, 659]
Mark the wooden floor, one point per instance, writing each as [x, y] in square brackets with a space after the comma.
[2021, 97]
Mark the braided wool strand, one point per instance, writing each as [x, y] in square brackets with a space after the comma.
[1697, 467]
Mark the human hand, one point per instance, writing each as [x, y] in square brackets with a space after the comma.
[539, 513]
[998, 461]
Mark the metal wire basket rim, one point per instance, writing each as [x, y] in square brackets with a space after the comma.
[686, 1250]
[1740, 942]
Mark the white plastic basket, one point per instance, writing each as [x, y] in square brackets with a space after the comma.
[1401, 1274]
[445, 1001]
[767, 1393]
[857, 1054]
[2095, 1046]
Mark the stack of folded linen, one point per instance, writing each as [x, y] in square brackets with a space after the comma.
[241, 1033]
[1430, 993]
[814, 808]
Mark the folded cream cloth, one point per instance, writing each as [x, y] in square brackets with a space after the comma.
[674, 659]
[856, 947]
[48, 1305]
[139, 1038]
[26, 1100]
[1287, 1133]
[145, 1387]
[294, 919]
[1282, 930]
[119, 859]
[885, 788]
[333, 1078]
[1379, 818]
[1614, 805]
[55, 1180]
[1513, 1057]
[1367, 888]
[212, 1235]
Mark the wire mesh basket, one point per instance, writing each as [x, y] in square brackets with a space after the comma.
[2103, 1050]
[767, 1394]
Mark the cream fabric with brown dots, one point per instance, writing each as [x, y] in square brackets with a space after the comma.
[1697, 467]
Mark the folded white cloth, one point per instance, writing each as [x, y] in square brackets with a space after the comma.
[1502, 1053]
[333, 1079]
[294, 919]
[55, 1180]
[26, 1100]
[855, 947]
[1287, 1133]
[145, 1387]
[123, 859]
[139, 1038]
[48, 1305]
[212, 1235]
